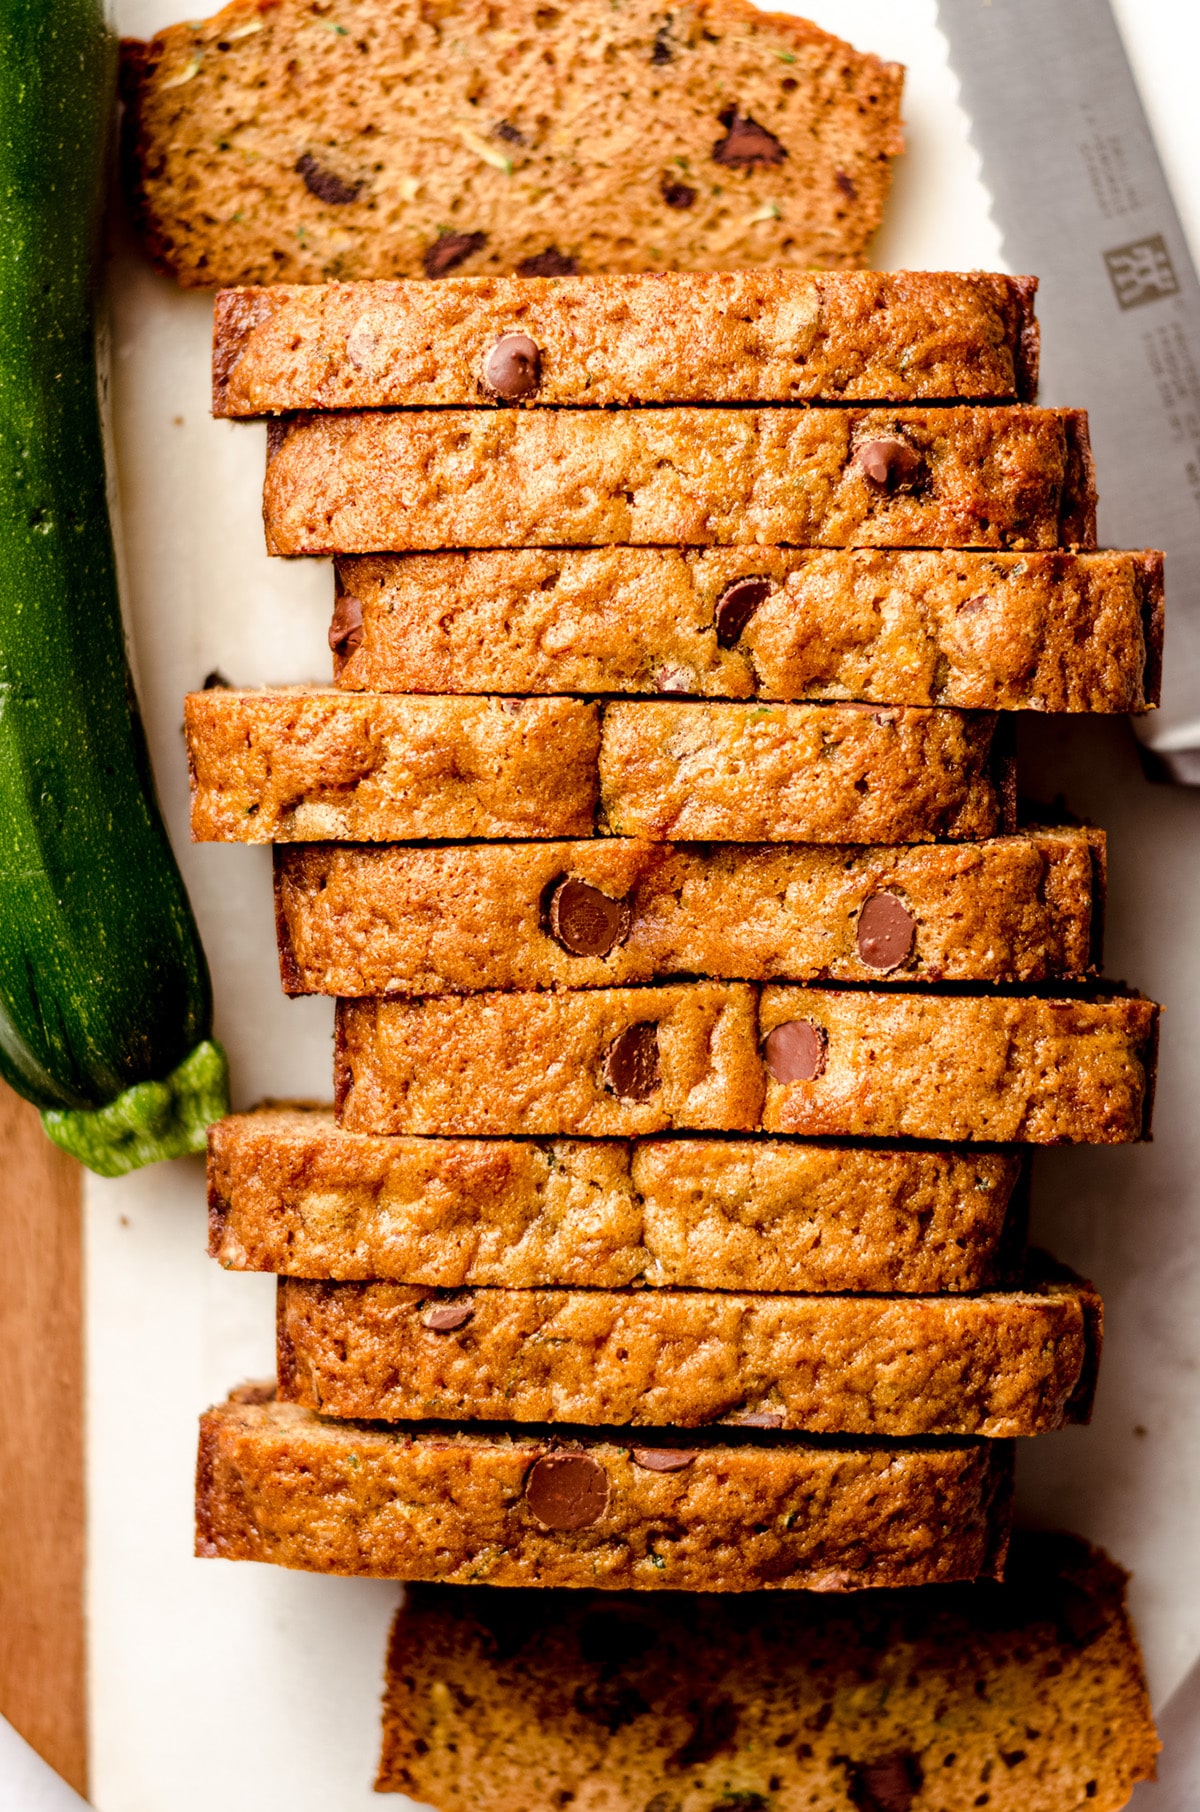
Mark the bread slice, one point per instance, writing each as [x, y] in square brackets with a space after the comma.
[390, 481]
[689, 337]
[307, 765]
[1022, 1697]
[290, 1192]
[293, 765]
[391, 138]
[411, 919]
[996, 1365]
[982, 632]
[821, 1062]
[703, 1512]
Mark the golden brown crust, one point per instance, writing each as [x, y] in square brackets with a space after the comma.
[1031, 1693]
[905, 1066]
[542, 1063]
[982, 632]
[284, 766]
[291, 1192]
[269, 143]
[998, 1365]
[890, 1065]
[309, 765]
[410, 920]
[276, 1483]
[387, 481]
[687, 337]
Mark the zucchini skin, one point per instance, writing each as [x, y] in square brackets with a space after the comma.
[103, 982]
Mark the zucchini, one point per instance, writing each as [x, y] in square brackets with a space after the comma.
[105, 1001]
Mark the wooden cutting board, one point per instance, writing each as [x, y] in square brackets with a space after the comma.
[43, 1663]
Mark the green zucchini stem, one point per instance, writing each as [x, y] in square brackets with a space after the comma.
[151, 1120]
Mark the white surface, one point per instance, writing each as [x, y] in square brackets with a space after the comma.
[255, 1689]
[28, 1785]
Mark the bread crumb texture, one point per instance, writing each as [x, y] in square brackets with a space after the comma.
[300, 142]
[1022, 1697]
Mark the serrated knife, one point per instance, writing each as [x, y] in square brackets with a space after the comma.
[1080, 199]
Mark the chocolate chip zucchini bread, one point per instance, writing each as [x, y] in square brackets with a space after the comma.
[300, 764]
[390, 138]
[306, 765]
[982, 632]
[998, 1365]
[1023, 1697]
[610, 1062]
[387, 481]
[913, 1066]
[708, 1056]
[746, 336]
[727, 1512]
[290, 1192]
[404, 919]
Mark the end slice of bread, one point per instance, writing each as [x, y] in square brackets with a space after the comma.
[390, 138]
[1028, 1696]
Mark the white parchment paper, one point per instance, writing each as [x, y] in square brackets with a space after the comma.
[257, 1690]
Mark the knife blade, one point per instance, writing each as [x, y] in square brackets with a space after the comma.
[1081, 201]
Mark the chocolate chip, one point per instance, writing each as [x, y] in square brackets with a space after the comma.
[325, 184]
[631, 1063]
[566, 1490]
[737, 604]
[888, 1784]
[512, 135]
[661, 52]
[586, 922]
[756, 1418]
[277, 433]
[886, 929]
[796, 1051]
[678, 194]
[450, 250]
[513, 367]
[746, 143]
[444, 1317]
[662, 1459]
[346, 625]
[892, 465]
[845, 185]
[216, 682]
[550, 263]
